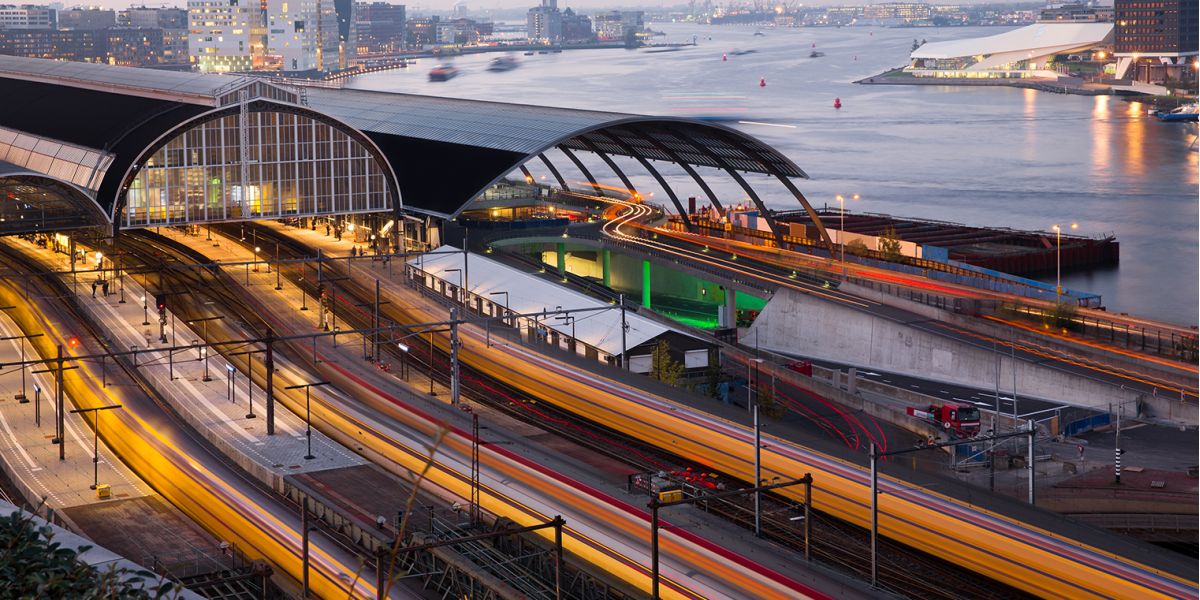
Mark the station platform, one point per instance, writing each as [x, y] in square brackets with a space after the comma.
[30, 457]
[218, 408]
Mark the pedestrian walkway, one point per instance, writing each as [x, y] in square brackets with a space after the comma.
[221, 407]
[27, 429]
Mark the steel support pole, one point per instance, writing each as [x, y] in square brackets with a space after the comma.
[808, 519]
[757, 474]
[579, 165]
[375, 334]
[558, 556]
[308, 422]
[624, 331]
[653, 547]
[304, 542]
[454, 376]
[270, 365]
[874, 519]
[1032, 460]
[60, 424]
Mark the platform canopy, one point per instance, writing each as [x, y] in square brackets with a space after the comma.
[448, 151]
[528, 293]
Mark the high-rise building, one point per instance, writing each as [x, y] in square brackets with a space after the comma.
[86, 18]
[544, 23]
[1155, 40]
[576, 27]
[380, 26]
[302, 35]
[28, 17]
[226, 35]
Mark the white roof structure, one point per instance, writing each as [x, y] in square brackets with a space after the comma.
[528, 293]
[1039, 39]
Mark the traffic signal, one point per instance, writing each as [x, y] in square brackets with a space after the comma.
[73, 342]
[160, 300]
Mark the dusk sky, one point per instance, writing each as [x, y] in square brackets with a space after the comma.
[483, 5]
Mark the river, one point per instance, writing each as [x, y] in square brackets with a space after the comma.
[981, 156]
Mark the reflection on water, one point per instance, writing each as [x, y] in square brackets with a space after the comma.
[1135, 132]
[1101, 137]
[989, 156]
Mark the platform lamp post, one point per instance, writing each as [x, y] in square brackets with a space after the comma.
[257, 249]
[505, 319]
[20, 397]
[842, 228]
[307, 412]
[204, 350]
[95, 439]
[145, 310]
[1058, 290]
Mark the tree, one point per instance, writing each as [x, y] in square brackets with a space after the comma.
[662, 367]
[768, 406]
[856, 247]
[889, 245]
[712, 377]
[33, 565]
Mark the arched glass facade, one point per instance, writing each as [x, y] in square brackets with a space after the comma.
[295, 165]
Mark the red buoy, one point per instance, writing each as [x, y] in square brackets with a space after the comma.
[724, 57]
[762, 82]
[837, 102]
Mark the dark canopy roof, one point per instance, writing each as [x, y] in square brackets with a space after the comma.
[446, 151]
[120, 124]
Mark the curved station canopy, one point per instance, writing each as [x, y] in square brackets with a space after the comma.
[152, 148]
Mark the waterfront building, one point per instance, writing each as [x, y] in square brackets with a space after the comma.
[380, 26]
[544, 23]
[87, 18]
[576, 27]
[616, 24]
[421, 31]
[27, 16]
[226, 35]
[1078, 13]
[142, 17]
[1156, 40]
[897, 13]
[1028, 52]
[114, 46]
[302, 35]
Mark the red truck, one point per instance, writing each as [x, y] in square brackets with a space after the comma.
[959, 419]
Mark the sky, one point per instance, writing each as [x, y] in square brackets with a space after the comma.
[585, 6]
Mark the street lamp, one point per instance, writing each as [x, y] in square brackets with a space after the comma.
[20, 397]
[842, 228]
[204, 350]
[459, 295]
[1058, 251]
[145, 311]
[96, 439]
[307, 412]
[257, 249]
[505, 319]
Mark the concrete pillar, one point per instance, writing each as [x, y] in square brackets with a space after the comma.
[730, 307]
[646, 283]
[606, 266]
[562, 259]
[852, 380]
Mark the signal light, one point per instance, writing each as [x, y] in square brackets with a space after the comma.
[160, 300]
[73, 342]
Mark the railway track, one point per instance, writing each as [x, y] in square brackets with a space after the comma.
[836, 544]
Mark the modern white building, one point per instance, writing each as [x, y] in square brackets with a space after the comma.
[225, 35]
[28, 17]
[1027, 52]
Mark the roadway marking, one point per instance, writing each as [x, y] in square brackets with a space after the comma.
[16, 444]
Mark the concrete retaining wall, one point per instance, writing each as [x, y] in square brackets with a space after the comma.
[796, 323]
